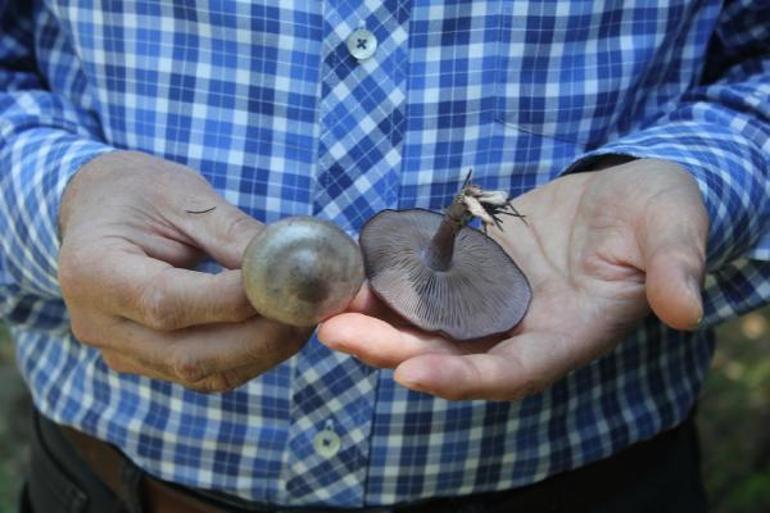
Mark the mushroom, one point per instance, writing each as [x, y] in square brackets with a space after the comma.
[301, 270]
[440, 274]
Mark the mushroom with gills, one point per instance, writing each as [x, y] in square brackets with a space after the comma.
[442, 275]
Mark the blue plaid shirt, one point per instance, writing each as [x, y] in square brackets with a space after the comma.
[267, 102]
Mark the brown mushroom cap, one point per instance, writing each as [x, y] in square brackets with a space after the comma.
[301, 270]
[482, 293]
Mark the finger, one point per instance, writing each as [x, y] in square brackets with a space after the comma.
[166, 298]
[380, 344]
[221, 230]
[673, 248]
[367, 302]
[216, 383]
[522, 366]
[673, 288]
[122, 280]
[179, 298]
[195, 354]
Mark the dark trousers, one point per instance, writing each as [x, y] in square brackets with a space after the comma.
[661, 475]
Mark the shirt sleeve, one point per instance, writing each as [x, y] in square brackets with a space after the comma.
[720, 132]
[44, 140]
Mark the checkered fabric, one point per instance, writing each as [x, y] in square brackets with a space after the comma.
[267, 102]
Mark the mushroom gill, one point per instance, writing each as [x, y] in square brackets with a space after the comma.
[440, 274]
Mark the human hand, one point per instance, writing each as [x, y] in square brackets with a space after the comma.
[600, 249]
[132, 226]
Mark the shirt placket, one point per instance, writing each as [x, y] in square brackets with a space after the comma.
[361, 127]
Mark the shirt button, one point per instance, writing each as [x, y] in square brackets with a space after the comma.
[326, 443]
[362, 44]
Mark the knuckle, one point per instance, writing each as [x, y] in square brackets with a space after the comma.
[189, 368]
[238, 225]
[223, 382]
[158, 309]
[215, 384]
[83, 330]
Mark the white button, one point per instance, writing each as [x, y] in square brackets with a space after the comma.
[362, 44]
[326, 442]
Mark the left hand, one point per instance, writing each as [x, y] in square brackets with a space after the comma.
[600, 250]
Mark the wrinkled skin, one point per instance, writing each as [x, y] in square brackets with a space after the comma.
[601, 249]
[132, 226]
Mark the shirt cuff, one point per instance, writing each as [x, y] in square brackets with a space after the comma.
[39, 164]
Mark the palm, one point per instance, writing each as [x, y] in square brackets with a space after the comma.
[588, 289]
[586, 260]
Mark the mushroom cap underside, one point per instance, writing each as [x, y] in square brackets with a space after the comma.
[482, 293]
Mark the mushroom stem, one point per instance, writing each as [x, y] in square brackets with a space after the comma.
[438, 254]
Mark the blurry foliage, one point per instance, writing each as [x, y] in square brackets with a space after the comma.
[14, 427]
[734, 417]
[734, 420]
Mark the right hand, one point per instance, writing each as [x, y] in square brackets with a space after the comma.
[132, 226]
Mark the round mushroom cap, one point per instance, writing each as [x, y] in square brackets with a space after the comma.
[301, 270]
[482, 292]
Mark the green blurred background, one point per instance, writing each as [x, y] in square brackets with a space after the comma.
[734, 420]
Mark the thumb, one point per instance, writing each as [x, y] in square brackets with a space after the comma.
[221, 230]
[674, 246]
